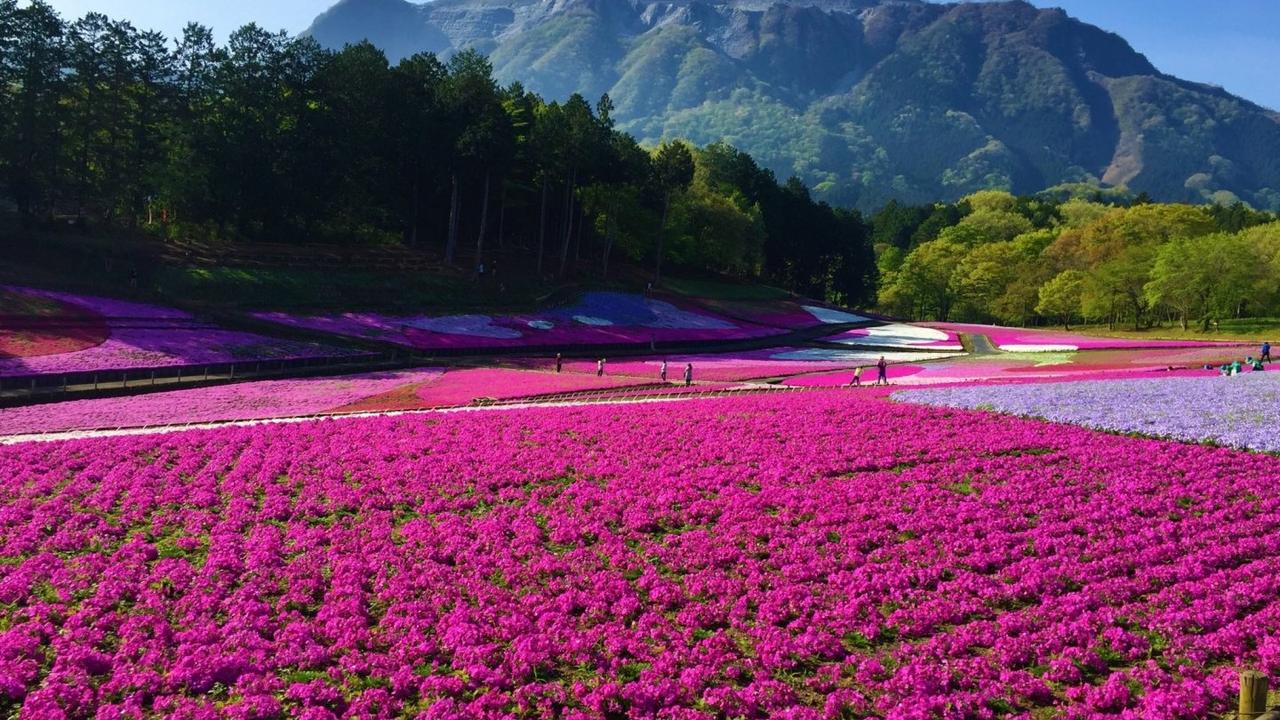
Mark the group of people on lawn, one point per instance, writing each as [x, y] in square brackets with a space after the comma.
[1254, 364]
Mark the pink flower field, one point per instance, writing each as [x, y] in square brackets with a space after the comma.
[90, 334]
[813, 555]
[244, 401]
[737, 366]
[459, 387]
[895, 373]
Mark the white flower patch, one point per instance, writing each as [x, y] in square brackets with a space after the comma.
[899, 335]
[468, 325]
[1029, 348]
[542, 325]
[592, 321]
[669, 316]
[854, 357]
[827, 316]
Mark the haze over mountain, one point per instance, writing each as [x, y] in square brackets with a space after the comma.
[866, 100]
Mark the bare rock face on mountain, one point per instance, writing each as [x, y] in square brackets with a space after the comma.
[866, 100]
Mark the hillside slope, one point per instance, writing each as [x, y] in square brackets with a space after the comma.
[865, 100]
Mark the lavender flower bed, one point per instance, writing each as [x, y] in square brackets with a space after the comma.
[1238, 411]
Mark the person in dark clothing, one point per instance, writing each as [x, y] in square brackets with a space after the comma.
[559, 362]
[688, 375]
[600, 367]
[883, 368]
[1266, 352]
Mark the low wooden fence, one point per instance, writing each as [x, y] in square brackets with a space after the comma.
[1255, 699]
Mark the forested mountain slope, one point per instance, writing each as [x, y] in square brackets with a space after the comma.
[865, 100]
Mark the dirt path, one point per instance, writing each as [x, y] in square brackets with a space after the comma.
[981, 345]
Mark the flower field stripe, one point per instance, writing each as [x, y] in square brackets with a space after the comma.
[805, 555]
[898, 336]
[624, 396]
[1234, 411]
[740, 366]
[239, 401]
[1012, 339]
[597, 318]
[94, 334]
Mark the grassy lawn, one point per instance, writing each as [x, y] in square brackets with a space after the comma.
[121, 265]
[308, 289]
[17, 305]
[721, 290]
[1239, 330]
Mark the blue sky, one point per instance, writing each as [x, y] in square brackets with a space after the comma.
[1232, 43]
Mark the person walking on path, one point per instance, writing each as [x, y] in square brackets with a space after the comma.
[1266, 352]
[688, 374]
[857, 377]
[559, 362]
[600, 367]
[883, 368]
[663, 373]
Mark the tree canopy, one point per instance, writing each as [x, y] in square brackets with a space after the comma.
[1046, 259]
[274, 139]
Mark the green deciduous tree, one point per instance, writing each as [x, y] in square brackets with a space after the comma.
[1060, 297]
[925, 279]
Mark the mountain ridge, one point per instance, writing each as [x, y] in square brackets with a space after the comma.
[865, 100]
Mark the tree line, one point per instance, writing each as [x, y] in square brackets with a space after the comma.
[270, 138]
[1078, 255]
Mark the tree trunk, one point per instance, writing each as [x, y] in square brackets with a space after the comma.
[542, 228]
[568, 238]
[484, 222]
[502, 217]
[608, 242]
[414, 220]
[662, 234]
[568, 221]
[577, 244]
[451, 246]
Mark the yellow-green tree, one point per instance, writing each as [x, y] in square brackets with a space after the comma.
[1060, 297]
